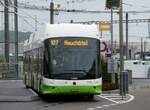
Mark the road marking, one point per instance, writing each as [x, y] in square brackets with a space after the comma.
[116, 98]
[113, 96]
[113, 104]
[99, 107]
[131, 97]
[106, 105]
[110, 94]
[107, 98]
[90, 108]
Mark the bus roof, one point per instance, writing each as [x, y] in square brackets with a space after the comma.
[64, 30]
[70, 30]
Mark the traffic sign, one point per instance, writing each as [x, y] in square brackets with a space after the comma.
[108, 55]
[104, 26]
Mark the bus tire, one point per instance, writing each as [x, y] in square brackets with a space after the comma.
[32, 82]
[25, 82]
[90, 97]
[27, 87]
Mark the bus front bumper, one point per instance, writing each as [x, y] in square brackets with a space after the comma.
[69, 90]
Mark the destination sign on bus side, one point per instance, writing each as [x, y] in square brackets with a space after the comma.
[76, 43]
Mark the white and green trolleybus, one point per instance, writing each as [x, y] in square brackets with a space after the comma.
[64, 59]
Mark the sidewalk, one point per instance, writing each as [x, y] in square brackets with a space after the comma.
[14, 91]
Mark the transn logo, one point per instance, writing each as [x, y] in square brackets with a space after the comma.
[54, 42]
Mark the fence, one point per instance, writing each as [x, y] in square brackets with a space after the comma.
[8, 71]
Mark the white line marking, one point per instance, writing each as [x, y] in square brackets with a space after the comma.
[90, 108]
[131, 98]
[99, 107]
[114, 96]
[107, 98]
[111, 94]
[106, 105]
[117, 98]
[113, 104]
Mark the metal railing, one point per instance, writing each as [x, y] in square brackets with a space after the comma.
[8, 71]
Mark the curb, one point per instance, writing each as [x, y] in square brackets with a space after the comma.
[110, 91]
[18, 98]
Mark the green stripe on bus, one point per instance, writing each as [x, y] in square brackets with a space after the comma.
[71, 89]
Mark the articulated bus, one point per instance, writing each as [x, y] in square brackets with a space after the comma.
[64, 59]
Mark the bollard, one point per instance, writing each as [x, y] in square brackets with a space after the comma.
[127, 82]
[129, 76]
[121, 84]
[124, 83]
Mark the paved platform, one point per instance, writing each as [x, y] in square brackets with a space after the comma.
[15, 91]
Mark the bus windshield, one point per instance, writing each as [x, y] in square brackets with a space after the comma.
[73, 58]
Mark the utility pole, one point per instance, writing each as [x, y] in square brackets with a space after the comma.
[16, 35]
[149, 28]
[112, 60]
[121, 37]
[144, 46]
[6, 27]
[52, 12]
[127, 50]
[141, 48]
[121, 46]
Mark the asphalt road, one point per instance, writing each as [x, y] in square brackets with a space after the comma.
[141, 102]
[63, 103]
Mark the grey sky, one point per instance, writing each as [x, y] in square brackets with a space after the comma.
[139, 30]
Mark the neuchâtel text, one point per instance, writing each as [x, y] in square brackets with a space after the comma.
[76, 43]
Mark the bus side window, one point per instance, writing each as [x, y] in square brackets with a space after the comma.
[45, 63]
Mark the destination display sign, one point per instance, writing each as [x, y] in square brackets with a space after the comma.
[72, 43]
[56, 42]
[76, 43]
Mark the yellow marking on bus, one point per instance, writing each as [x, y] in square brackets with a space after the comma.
[54, 42]
[76, 43]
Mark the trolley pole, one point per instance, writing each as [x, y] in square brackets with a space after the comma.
[16, 36]
[6, 27]
[52, 12]
[35, 22]
[121, 47]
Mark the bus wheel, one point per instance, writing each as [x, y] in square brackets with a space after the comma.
[27, 86]
[90, 97]
[25, 82]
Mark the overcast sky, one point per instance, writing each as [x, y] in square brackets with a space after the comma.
[135, 30]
